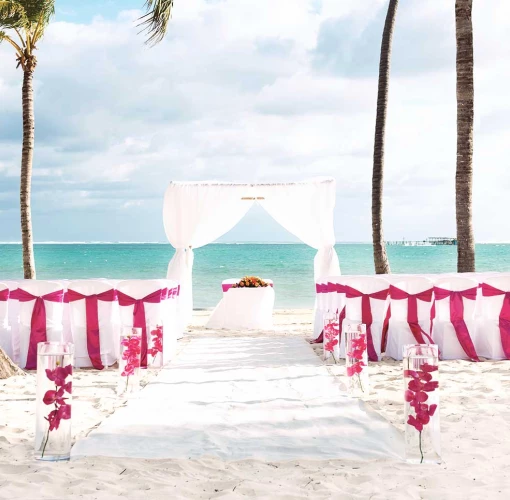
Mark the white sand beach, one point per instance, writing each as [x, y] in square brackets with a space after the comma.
[475, 419]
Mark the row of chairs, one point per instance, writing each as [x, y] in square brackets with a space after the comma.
[467, 316]
[76, 311]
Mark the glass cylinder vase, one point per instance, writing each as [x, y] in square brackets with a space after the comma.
[421, 395]
[129, 362]
[53, 400]
[155, 344]
[331, 334]
[356, 359]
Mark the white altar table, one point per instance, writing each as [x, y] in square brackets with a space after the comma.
[243, 308]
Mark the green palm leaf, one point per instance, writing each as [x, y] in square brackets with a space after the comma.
[25, 13]
[12, 15]
[155, 21]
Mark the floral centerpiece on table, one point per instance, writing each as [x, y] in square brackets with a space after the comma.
[250, 282]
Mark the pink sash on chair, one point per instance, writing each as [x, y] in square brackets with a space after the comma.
[412, 310]
[366, 315]
[139, 320]
[457, 317]
[38, 322]
[169, 293]
[504, 315]
[92, 321]
[326, 288]
[4, 295]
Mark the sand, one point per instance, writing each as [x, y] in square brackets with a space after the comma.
[475, 416]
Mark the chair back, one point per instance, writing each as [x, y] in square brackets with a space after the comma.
[139, 289]
[491, 305]
[366, 285]
[455, 283]
[412, 285]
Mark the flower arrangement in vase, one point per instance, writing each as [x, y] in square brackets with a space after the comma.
[54, 396]
[155, 350]
[331, 332]
[130, 357]
[421, 396]
[356, 359]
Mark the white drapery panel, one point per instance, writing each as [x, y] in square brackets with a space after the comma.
[306, 211]
[198, 213]
[194, 215]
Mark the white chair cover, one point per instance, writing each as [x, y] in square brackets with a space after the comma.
[336, 299]
[353, 306]
[54, 312]
[155, 313]
[13, 319]
[6, 341]
[443, 331]
[399, 331]
[488, 335]
[108, 319]
[244, 308]
[321, 305]
[138, 289]
[172, 327]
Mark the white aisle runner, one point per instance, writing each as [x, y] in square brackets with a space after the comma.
[268, 398]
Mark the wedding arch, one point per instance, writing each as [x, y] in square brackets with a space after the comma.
[197, 213]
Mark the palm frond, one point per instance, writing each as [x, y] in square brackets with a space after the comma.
[37, 10]
[26, 14]
[46, 11]
[12, 15]
[7, 38]
[155, 21]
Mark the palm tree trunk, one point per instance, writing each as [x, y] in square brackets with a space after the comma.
[26, 175]
[382, 265]
[465, 116]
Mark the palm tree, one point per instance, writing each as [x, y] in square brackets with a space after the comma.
[155, 21]
[382, 266]
[22, 24]
[465, 116]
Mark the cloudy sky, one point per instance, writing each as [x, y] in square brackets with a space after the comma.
[253, 91]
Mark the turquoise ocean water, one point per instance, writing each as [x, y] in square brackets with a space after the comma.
[289, 266]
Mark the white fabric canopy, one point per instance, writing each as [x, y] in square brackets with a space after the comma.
[198, 213]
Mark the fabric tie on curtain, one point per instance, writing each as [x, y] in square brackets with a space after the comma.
[457, 316]
[366, 315]
[92, 321]
[139, 320]
[4, 295]
[412, 311]
[38, 321]
[504, 315]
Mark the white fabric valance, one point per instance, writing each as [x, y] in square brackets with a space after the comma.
[198, 213]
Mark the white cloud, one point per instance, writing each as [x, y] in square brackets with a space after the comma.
[257, 91]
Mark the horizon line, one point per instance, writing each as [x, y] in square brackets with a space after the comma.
[216, 243]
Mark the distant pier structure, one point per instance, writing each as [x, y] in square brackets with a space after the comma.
[429, 242]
